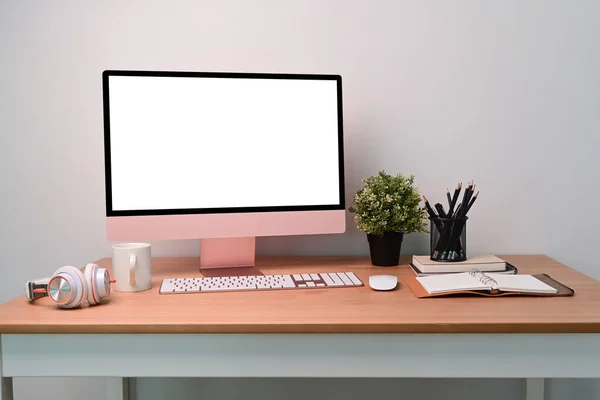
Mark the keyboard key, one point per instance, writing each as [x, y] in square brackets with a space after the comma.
[229, 288]
[306, 277]
[298, 277]
[336, 280]
[315, 277]
[218, 289]
[353, 278]
[288, 282]
[327, 279]
[310, 284]
[345, 279]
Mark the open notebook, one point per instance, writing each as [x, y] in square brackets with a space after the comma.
[487, 283]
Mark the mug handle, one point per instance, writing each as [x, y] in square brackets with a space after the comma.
[132, 260]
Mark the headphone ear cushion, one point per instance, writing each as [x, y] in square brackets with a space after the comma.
[93, 297]
[76, 280]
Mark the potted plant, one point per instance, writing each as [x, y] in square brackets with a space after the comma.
[386, 208]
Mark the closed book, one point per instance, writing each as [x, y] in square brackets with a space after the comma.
[481, 262]
[509, 270]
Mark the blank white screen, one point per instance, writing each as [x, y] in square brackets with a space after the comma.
[193, 142]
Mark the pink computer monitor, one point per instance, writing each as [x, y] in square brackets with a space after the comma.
[223, 158]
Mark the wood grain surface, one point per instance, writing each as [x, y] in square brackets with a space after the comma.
[329, 310]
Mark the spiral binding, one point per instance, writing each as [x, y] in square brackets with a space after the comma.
[483, 278]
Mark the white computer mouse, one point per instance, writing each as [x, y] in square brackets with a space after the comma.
[383, 282]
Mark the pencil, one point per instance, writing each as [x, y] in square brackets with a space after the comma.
[432, 213]
[449, 199]
[471, 191]
[465, 201]
[458, 209]
[471, 203]
[440, 210]
[454, 199]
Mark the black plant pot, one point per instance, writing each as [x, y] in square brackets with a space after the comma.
[385, 250]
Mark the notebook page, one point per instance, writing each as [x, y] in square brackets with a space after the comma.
[451, 283]
[521, 283]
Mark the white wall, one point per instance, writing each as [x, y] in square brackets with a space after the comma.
[505, 92]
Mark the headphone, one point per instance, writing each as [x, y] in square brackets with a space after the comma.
[68, 287]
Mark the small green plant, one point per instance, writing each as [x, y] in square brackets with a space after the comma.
[389, 203]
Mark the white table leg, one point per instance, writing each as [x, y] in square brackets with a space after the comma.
[534, 389]
[131, 389]
[119, 389]
[6, 383]
[127, 387]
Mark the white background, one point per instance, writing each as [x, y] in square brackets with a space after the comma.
[195, 142]
[504, 92]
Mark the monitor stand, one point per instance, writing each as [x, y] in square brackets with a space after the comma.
[228, 257]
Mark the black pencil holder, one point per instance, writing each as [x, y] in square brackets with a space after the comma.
[448, 239]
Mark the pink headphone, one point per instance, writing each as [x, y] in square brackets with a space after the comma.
[68, 287]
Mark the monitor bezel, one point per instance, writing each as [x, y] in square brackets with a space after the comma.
[218, 210]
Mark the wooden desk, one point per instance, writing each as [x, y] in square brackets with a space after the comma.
[336, 332]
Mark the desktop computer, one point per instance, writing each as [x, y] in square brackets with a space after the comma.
[222, 158]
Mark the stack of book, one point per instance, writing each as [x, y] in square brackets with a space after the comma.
[423, 265]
